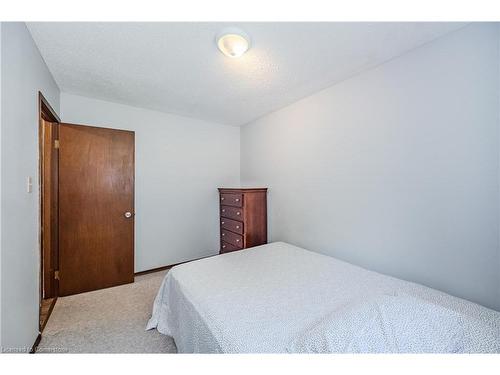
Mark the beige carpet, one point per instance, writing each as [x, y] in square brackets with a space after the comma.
[107, 321]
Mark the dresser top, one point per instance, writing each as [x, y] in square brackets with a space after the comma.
[242, 190]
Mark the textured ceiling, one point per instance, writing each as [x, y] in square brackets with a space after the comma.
[176, 67]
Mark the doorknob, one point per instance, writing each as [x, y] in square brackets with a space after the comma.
[128, 214]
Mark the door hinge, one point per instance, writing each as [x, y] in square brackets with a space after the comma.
[56, 275]
[56, 143]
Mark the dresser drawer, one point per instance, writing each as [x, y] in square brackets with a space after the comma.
[232, 225]
[230, 199]
[232, 238]
[235, 213]
[227, 247]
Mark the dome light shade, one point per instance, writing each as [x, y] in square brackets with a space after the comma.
[233, 42]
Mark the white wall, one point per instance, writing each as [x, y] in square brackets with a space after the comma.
[396, 169]
[23, 74]
[180, 162]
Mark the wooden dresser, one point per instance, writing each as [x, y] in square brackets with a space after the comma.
[243, 218]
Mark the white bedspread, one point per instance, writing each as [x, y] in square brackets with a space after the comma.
[264, 299]
[396, 324]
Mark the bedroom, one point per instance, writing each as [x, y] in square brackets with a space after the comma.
[250, 187]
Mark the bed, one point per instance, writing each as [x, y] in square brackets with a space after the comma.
[280, 298]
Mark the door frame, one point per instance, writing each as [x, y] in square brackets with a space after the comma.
[45, 113]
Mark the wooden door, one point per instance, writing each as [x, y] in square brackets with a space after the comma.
[49, 207]
[96, 208]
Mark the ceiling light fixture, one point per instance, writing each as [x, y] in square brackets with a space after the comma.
[233, 42]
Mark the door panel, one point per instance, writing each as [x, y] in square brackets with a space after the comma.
[96, 189]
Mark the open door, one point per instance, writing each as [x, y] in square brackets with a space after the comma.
[96, 208]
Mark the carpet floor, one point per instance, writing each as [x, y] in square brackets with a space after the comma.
[111, 320]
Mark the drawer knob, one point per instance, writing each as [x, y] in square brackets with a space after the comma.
[223, 246]
[222, 199]
[222, 223]
[238, 213]
[223, 234]
[237, 240]
[237, 227]
[223, 210]
[237, 199]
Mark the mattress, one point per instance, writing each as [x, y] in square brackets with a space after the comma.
[262, 299]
